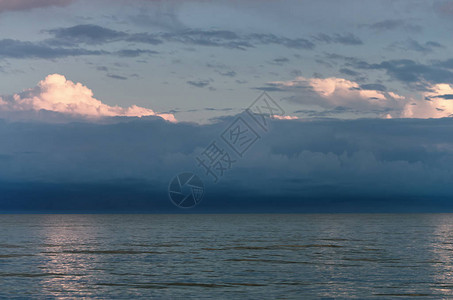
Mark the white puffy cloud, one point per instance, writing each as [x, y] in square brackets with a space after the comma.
[335, 91]
[57, 94]
[437, 102]
[341, 90]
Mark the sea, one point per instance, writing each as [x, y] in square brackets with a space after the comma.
[226, 256]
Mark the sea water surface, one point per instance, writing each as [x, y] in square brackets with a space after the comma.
[226, 256]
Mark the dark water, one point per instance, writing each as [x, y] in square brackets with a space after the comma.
[226, 256]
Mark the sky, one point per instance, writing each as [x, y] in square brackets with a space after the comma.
[103, 102]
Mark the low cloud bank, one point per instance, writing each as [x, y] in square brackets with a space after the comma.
[329, 165]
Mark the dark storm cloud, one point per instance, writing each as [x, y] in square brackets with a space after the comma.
[125, 164]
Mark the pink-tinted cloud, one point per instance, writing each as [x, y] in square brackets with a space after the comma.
[339, 92]
[336, 91]
[278, 117]
[56, 93]
[436, 103]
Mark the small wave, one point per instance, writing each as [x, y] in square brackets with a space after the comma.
[273, 247]
[277, 261]
[29, 275]
[109, 252]
[405, 295]
[15, 255]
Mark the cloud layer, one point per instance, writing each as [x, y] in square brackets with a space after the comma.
[328, 165]
[57, 94]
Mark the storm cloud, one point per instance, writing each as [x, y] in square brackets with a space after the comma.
[126, 164]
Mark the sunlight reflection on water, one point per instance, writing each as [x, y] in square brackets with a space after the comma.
[224, 256]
